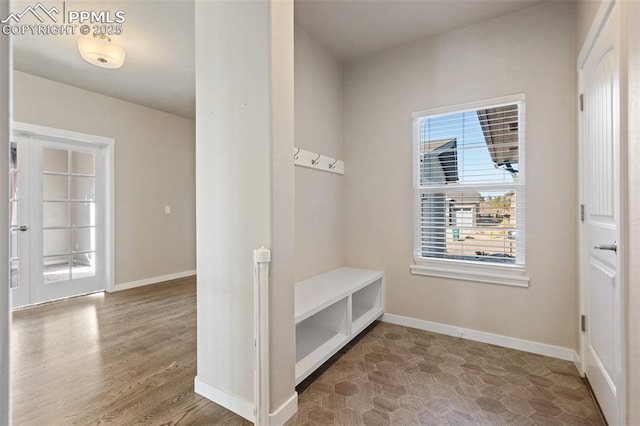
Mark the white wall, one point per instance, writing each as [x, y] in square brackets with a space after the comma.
[5, 135]
[281, 319]
[154, 166]
[244, 184]
[232, 186]
[319, 196]
[532, 51]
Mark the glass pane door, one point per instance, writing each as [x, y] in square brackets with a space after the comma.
[68, 232]
[57, 207]
[68, 214]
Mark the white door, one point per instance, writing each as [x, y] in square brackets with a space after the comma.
[601, 284]
[58, 244]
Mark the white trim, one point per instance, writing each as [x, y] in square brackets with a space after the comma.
[109, 217]
[545, 349]
[285, 411]
[577, 361]
[261, 259]
[512, 275]
[596, 28]
[61, 134]
[470, 106]
[231, 402]
[6, 104]
[154, 280]
[582, 306]
[503, 274]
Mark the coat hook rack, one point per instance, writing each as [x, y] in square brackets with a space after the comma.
[316, 161]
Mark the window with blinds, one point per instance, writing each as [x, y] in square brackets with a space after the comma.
[468, 181]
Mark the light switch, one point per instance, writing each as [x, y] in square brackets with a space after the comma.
[167, 209]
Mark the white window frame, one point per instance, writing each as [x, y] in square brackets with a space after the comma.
[467, 270]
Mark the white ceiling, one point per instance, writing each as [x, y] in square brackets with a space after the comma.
[159, 70]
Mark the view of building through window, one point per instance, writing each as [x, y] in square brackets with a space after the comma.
[469, 184]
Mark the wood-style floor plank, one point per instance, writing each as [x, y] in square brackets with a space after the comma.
[124, 358]
[129, 358]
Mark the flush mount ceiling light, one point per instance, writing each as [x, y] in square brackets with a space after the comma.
[100, 51]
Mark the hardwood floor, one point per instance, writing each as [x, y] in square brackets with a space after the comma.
[124, 358]
[130, 358]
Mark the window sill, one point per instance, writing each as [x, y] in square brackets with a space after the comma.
[510, 275]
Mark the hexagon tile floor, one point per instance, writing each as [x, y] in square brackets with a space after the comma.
[396, 375]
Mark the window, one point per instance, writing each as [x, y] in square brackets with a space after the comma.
[469, 192]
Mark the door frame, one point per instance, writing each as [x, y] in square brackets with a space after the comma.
[597, 26]
[108, 144]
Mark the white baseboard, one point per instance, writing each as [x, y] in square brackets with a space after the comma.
[230, 402]
[285, 412]
[154, 280]
[484, 337]
[578, 362]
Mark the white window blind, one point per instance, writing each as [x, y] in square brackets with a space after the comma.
[469, 184]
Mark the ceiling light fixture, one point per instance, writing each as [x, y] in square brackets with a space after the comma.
[100, 51]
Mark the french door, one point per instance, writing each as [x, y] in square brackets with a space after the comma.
[57, 219]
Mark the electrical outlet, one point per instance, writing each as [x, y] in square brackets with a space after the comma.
[167, 209]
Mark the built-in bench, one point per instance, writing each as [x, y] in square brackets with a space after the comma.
[331, 309]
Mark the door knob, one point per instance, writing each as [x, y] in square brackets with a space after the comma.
[613, 247]
[23, 228]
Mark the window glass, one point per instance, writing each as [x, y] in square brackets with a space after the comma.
[468, 183]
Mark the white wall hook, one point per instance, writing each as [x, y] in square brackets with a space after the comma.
[315, 161]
